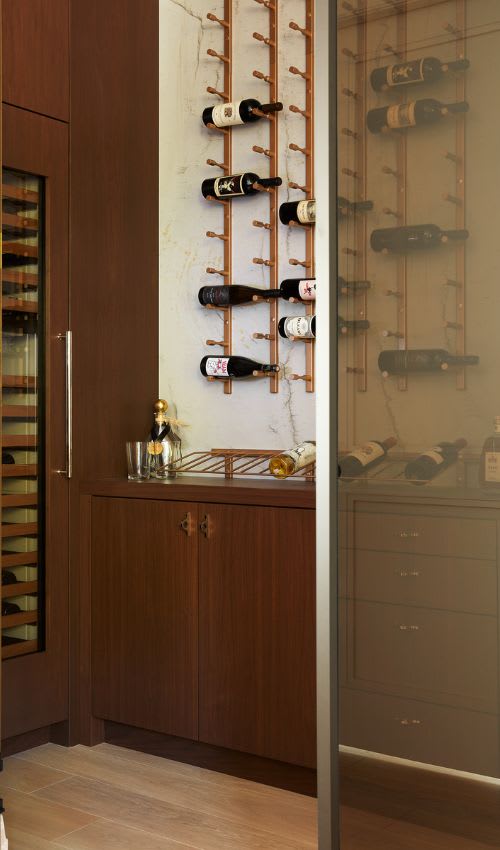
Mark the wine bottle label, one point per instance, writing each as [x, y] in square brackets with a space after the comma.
[406, 72]
[492, 466]
[367, 453]
[306, 212]
[217, 366]
[302, 454]
[300, 326]
[227, 114]
[229, 186]
[401, 116]
[435, 454]
[307, 290]
[216, 295]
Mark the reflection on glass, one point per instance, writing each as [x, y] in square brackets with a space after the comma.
[419, 424]
[22, 398]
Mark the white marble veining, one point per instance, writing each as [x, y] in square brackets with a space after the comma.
[251, 417]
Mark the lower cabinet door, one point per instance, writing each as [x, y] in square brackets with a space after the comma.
[144, 614]
[257, 631]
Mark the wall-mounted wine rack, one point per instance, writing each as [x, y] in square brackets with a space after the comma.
[271, 77]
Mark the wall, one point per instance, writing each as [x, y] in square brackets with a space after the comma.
[251, 417]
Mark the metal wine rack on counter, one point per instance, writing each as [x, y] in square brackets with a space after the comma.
[359, 150]
[236, 463]
[268, 40]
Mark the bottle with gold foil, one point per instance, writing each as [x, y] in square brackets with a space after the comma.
[164, 445]
[289, 462]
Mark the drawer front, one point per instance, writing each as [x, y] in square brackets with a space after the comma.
[427, 581]
[419, 731]
[441, 656]
[425, 535]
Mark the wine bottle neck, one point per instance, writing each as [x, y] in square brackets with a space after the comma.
[271, 107]
[456, 234]
[269, 181]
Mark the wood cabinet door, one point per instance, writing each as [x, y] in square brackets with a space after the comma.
[257, 631]
[144, 614]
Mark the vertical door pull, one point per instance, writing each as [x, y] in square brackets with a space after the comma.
[206, 526]
[67, 336]
[187, 524]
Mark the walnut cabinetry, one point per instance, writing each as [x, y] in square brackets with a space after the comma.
[419, 626]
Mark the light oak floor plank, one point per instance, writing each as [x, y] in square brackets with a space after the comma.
[19, 840]
[164, 819]
[107, 835]
[42, 818]
[284, 814]
[22, 775]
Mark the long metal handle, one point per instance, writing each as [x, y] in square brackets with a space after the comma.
[67, 336]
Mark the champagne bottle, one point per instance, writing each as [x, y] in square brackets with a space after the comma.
[489, 465]
[346, 287]
[225, 296]
[421, 360]
[291, 461]
[345, 206]
[299, 289]
[8, 577]
[415, 72]
[364, 457]
[10, 608]
[416, 237]
[427, 465]
[237, 112]
[300, 212]
[302, 327]
[236, 185]
[413, 114]
[234, 367]
[344, 326]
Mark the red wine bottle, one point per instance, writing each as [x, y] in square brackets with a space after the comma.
[416, 237]
[10, 608]
[300, 212]
[365, 457]
[299, 289]
[226, 296]
[236, 185]
[489, 465]
[414, 72]
[237, 112]
[344, 326]
[346, 287]
[302, 327]
[422, 360]
[427, 465]
[234, 367]
[345, 206]
[413, 114]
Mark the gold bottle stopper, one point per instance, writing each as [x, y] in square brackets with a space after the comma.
[160, 406]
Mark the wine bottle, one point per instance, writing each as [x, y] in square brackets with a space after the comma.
[413, 114]
[421, 360]
[234, 367]
[344, 326]
[8, 577]
[10, 608]
[291, 461]
[300, 212]
[489, 465]
[427, 465]
[414, 72]
[345, 206]
[346, 287]
[299, 289]
[364, 457]
[7, 457]
[302, 327]
[416, 237]
[237, 112]
[225, 296]
[236, 185]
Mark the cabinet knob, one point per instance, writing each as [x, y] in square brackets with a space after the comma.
[407, 722]
[411, 628]
[409, 573]
[206, 526]
[408, 535]
[187, 524]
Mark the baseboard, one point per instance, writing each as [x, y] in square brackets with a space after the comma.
[26, 741]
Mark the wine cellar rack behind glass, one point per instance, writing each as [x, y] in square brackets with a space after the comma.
[22, 428]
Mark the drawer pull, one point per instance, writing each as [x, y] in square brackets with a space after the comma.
[408, 535]
[206, 526]
[409, 573]
[407, 722]
[404, 628]
[187, 524]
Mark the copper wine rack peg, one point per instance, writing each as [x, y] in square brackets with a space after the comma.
[393, 293]
[294, 377]
[294, 147]
[267, 4]
[259, 261]
[259, 188]
[219, 56]
[452, 157]
[216, 342]
[259, 37]
[351, 252]
[388, 211]
[456, 283]
[215, 19]
[212, 235]
[354, 370]
[346, 131]
[221, 94]
[221, 165]
[298, 73]
[397, 334]
[305, 32]
[257, 335]
[350, 8]
[219, 129]
[298, 224]
[265, 151]
[264, 224]
[261, 76]
[294, 185]
[350, 173]
[452, 29]
[453, 199]
[388, 48]
[386, 169]
[261, 114]
[350, 93]
[454, 325]
[298, 111]
[221, 272]
[349, 53]
[216, 200]
[304, 263]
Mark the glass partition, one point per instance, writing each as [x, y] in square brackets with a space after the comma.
[419, 423]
